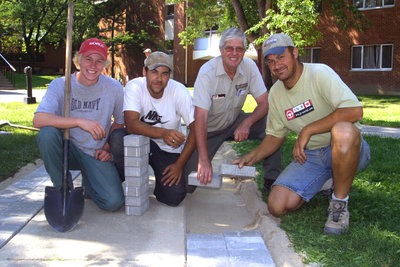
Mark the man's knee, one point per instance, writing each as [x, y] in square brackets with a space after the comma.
[345, 136]
[48, 135]
[282, 200]
[112, 203]
[172, 196]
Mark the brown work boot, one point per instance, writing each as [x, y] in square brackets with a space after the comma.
[338, 218]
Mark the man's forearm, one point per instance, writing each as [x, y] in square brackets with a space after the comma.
[189, 147]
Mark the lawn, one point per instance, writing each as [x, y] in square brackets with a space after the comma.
[38, 82]
[374, 205]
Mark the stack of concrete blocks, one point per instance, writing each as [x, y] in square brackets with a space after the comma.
[136, 159]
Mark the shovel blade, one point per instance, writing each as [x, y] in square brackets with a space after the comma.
[63, 213]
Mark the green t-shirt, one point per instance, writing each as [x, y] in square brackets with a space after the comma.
[317, 93]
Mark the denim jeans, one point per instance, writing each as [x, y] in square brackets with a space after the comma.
[308, 178]
[100, 179]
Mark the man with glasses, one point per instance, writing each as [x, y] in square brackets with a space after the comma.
[220, 91]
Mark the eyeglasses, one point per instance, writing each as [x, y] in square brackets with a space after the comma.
[238, 49]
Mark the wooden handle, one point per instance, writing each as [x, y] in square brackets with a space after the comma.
[68, 55]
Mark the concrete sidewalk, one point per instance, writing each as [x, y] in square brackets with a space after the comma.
[158, 237]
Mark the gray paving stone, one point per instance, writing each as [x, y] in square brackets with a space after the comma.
[132, 181]
[253, 258]
[135, 140]
[229, 170]
[21, 201]
[205, 241]
[234, 249]
[136, 171]
[137, 210]
[136, 161]
[215, 183]
[207, 257]
[131, 151]
[136, 201]
[134, 191]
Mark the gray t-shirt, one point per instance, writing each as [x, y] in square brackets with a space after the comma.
[98, 102]
[223, 97]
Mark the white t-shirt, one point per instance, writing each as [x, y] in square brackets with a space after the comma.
[166, 112]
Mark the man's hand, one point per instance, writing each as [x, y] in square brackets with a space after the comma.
[102, 155]
[246, 160]
[93, 127]
[172, 174]
[173, 138]
[204, 172]
[298, 150]
[242, 131]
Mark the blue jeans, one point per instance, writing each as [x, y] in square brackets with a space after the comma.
[308, 178]
[100, 179]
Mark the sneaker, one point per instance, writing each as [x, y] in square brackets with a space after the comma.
[338, 218]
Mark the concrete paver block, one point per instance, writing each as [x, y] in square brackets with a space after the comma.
[132, 181]
[215, 183]
[137, 210]
[216, 257]
[136, 161]
[136, 171]
[135, 191]
[229, 170]
[259, 258]
[135, 140]
[205, 241]
[132, 151]
[234, 248]
[136, 201]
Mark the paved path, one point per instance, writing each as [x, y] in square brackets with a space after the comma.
[7, 96]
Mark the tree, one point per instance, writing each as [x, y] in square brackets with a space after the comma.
[261, 18]
[38, 22]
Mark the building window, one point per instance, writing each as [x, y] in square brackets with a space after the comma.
[312, 55]
[370, 4]
[372, 57]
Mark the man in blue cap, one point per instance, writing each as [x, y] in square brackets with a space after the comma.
[312, 101]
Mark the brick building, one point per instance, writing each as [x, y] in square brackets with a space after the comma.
[369, 62]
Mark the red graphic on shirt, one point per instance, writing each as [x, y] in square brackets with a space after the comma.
[289, 114]
[299, 110]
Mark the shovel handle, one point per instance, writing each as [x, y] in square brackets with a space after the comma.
[68, 55]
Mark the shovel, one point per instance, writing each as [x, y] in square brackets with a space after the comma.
[7, 123]
[64, 207]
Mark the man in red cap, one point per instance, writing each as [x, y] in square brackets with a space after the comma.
[95, 99]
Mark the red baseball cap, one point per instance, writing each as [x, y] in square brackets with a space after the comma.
[93, 45]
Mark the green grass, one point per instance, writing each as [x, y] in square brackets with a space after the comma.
[38, 82]
[374, 236]
[20, 148]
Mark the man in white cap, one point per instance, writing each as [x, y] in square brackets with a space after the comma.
[221, 88]
[95, 99]
[154, 106]
[312, 101]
